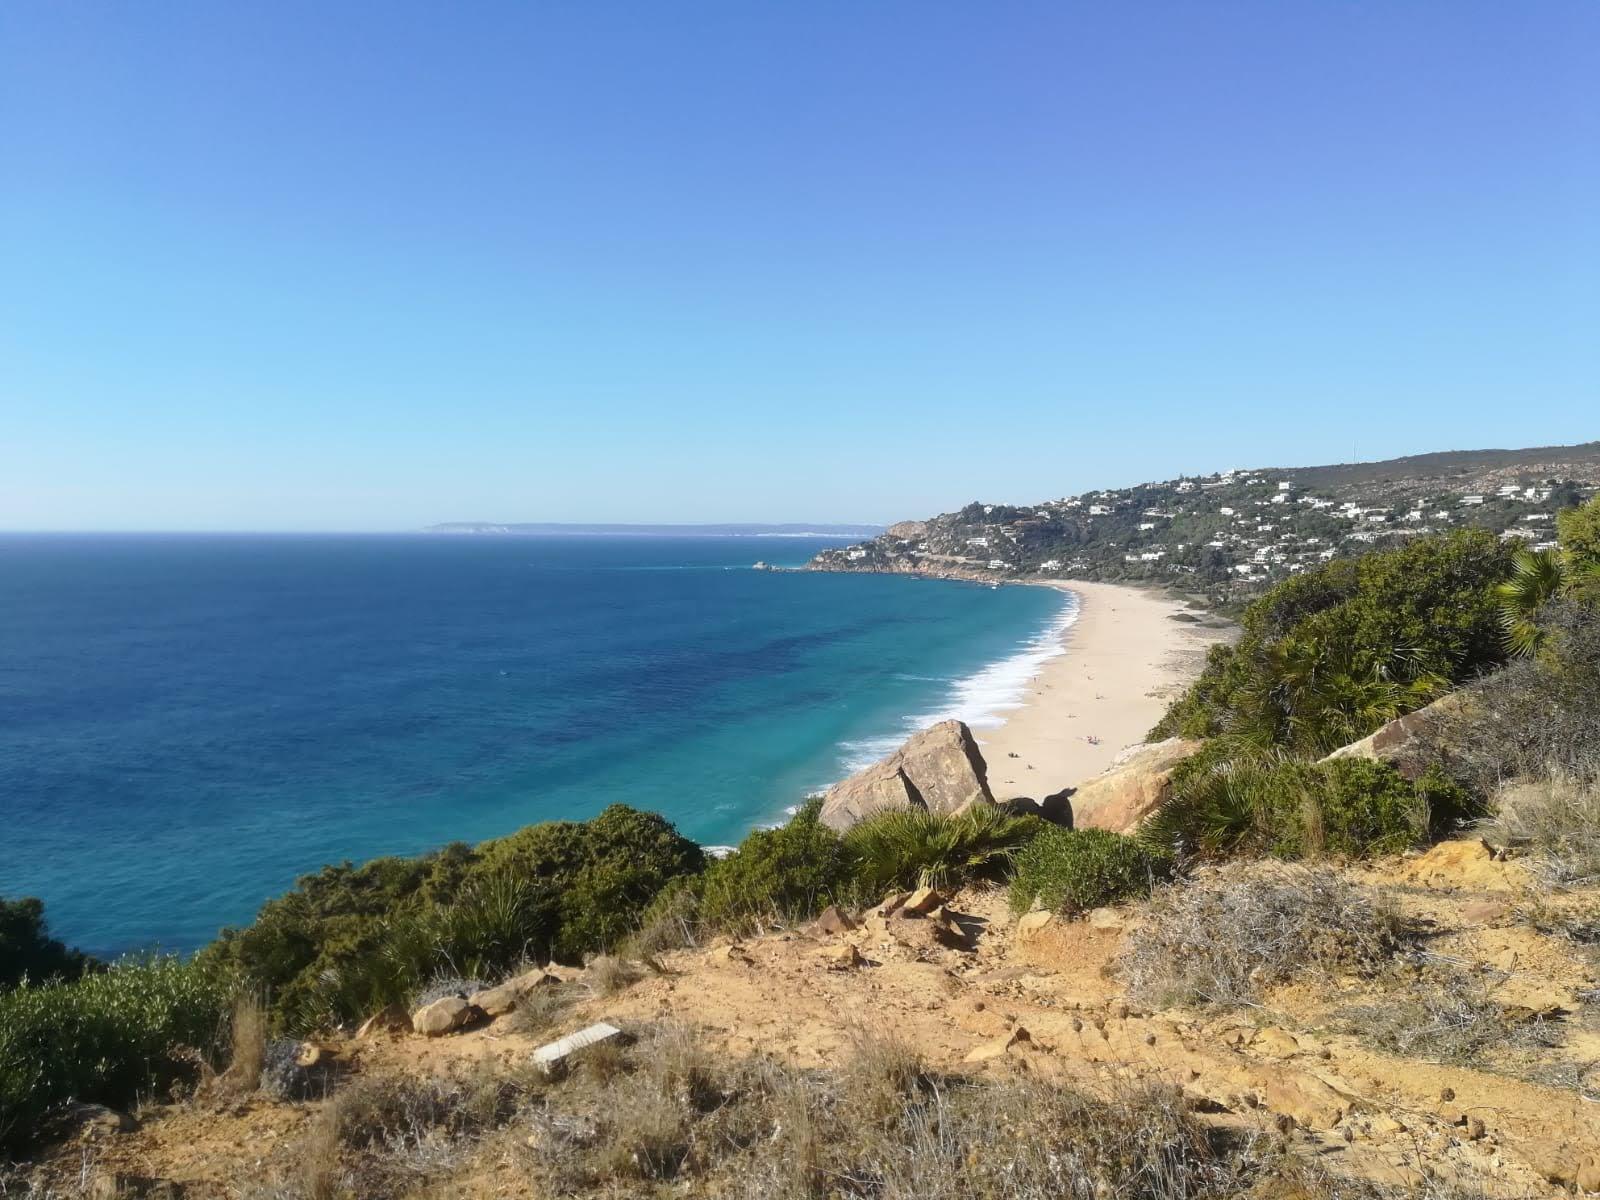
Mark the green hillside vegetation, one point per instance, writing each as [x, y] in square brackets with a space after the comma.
[1326, 657]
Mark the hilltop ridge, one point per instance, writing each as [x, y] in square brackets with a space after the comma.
[1232, 533]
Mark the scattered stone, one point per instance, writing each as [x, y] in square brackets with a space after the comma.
[1275, 1042]
[551, 1055]
[893, 903]
[1001, 1046]
[1105, 919]
[504, 998]
[443, 1016]
[97, 1120]
[392, 1019]
[1031, 925]
[923, 901]
[843, 957]
[834, 920]
[1483, 912]
[1308, 1100]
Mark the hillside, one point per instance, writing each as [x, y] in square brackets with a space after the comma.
[1325, 1084]
[1232, 533]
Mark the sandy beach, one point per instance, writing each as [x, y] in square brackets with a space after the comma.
[1126, 657]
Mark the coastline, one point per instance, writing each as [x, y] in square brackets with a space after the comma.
[1125, 657]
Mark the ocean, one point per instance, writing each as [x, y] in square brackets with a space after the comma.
[190, 722]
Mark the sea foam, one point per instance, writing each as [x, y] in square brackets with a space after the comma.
[981, 699]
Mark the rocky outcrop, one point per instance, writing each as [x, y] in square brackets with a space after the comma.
[940, 770]
[1134, 786]
[499, 1000]
[1401, 743]
[443, 1016]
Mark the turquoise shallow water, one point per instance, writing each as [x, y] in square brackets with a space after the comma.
[188, 723]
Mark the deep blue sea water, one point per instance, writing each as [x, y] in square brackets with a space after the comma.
[188, 723]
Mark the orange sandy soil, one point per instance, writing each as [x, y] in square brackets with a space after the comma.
[1355, 1108]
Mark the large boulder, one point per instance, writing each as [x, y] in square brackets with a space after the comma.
[1134, 786]
[1401, 743]
[939, 769]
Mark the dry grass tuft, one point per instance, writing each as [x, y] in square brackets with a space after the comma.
[1221, 938]
[606, 975]
[247, 1045]
[1449, 1015]
[539, 1010]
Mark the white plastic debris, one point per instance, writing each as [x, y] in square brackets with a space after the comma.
[547, 1056]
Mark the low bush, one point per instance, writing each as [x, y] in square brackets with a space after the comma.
[780, 875]
[27, 951]
[1536, 719]
[107, 1038]
[1223, 936]
[1074, 870]
[1269, 804]
[348, 941]
[917, 848]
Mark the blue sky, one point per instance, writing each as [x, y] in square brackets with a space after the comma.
[285, 265]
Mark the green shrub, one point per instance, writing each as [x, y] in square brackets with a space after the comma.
[783, 874]
[349, 940]
[1294, 809]
[917, 848]
[1329, 655]
[1074, 870]
[27, 951]
[108, 1038]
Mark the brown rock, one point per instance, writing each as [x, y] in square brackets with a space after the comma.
[1312, 1103]
[1275, 1042]
[503, 998]
[1032, 925]
[96, 1120]
[442, 1016]
[939, 769]
[922, 901]
[1019, 1038]
[843, 957]
[392, 1019]
[1135, 785]
[1105, 918]
[834, 920]
[892, 903]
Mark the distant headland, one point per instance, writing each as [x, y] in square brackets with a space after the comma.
[548, 528]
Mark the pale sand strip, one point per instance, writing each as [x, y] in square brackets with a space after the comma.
[1126, 658]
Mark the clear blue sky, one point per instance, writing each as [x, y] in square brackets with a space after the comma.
[282, 265]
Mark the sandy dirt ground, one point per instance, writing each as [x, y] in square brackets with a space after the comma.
[1050, 1001]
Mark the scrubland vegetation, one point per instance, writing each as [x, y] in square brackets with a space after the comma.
[1325, 659]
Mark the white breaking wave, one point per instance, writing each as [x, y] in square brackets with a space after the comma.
[982, 699]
